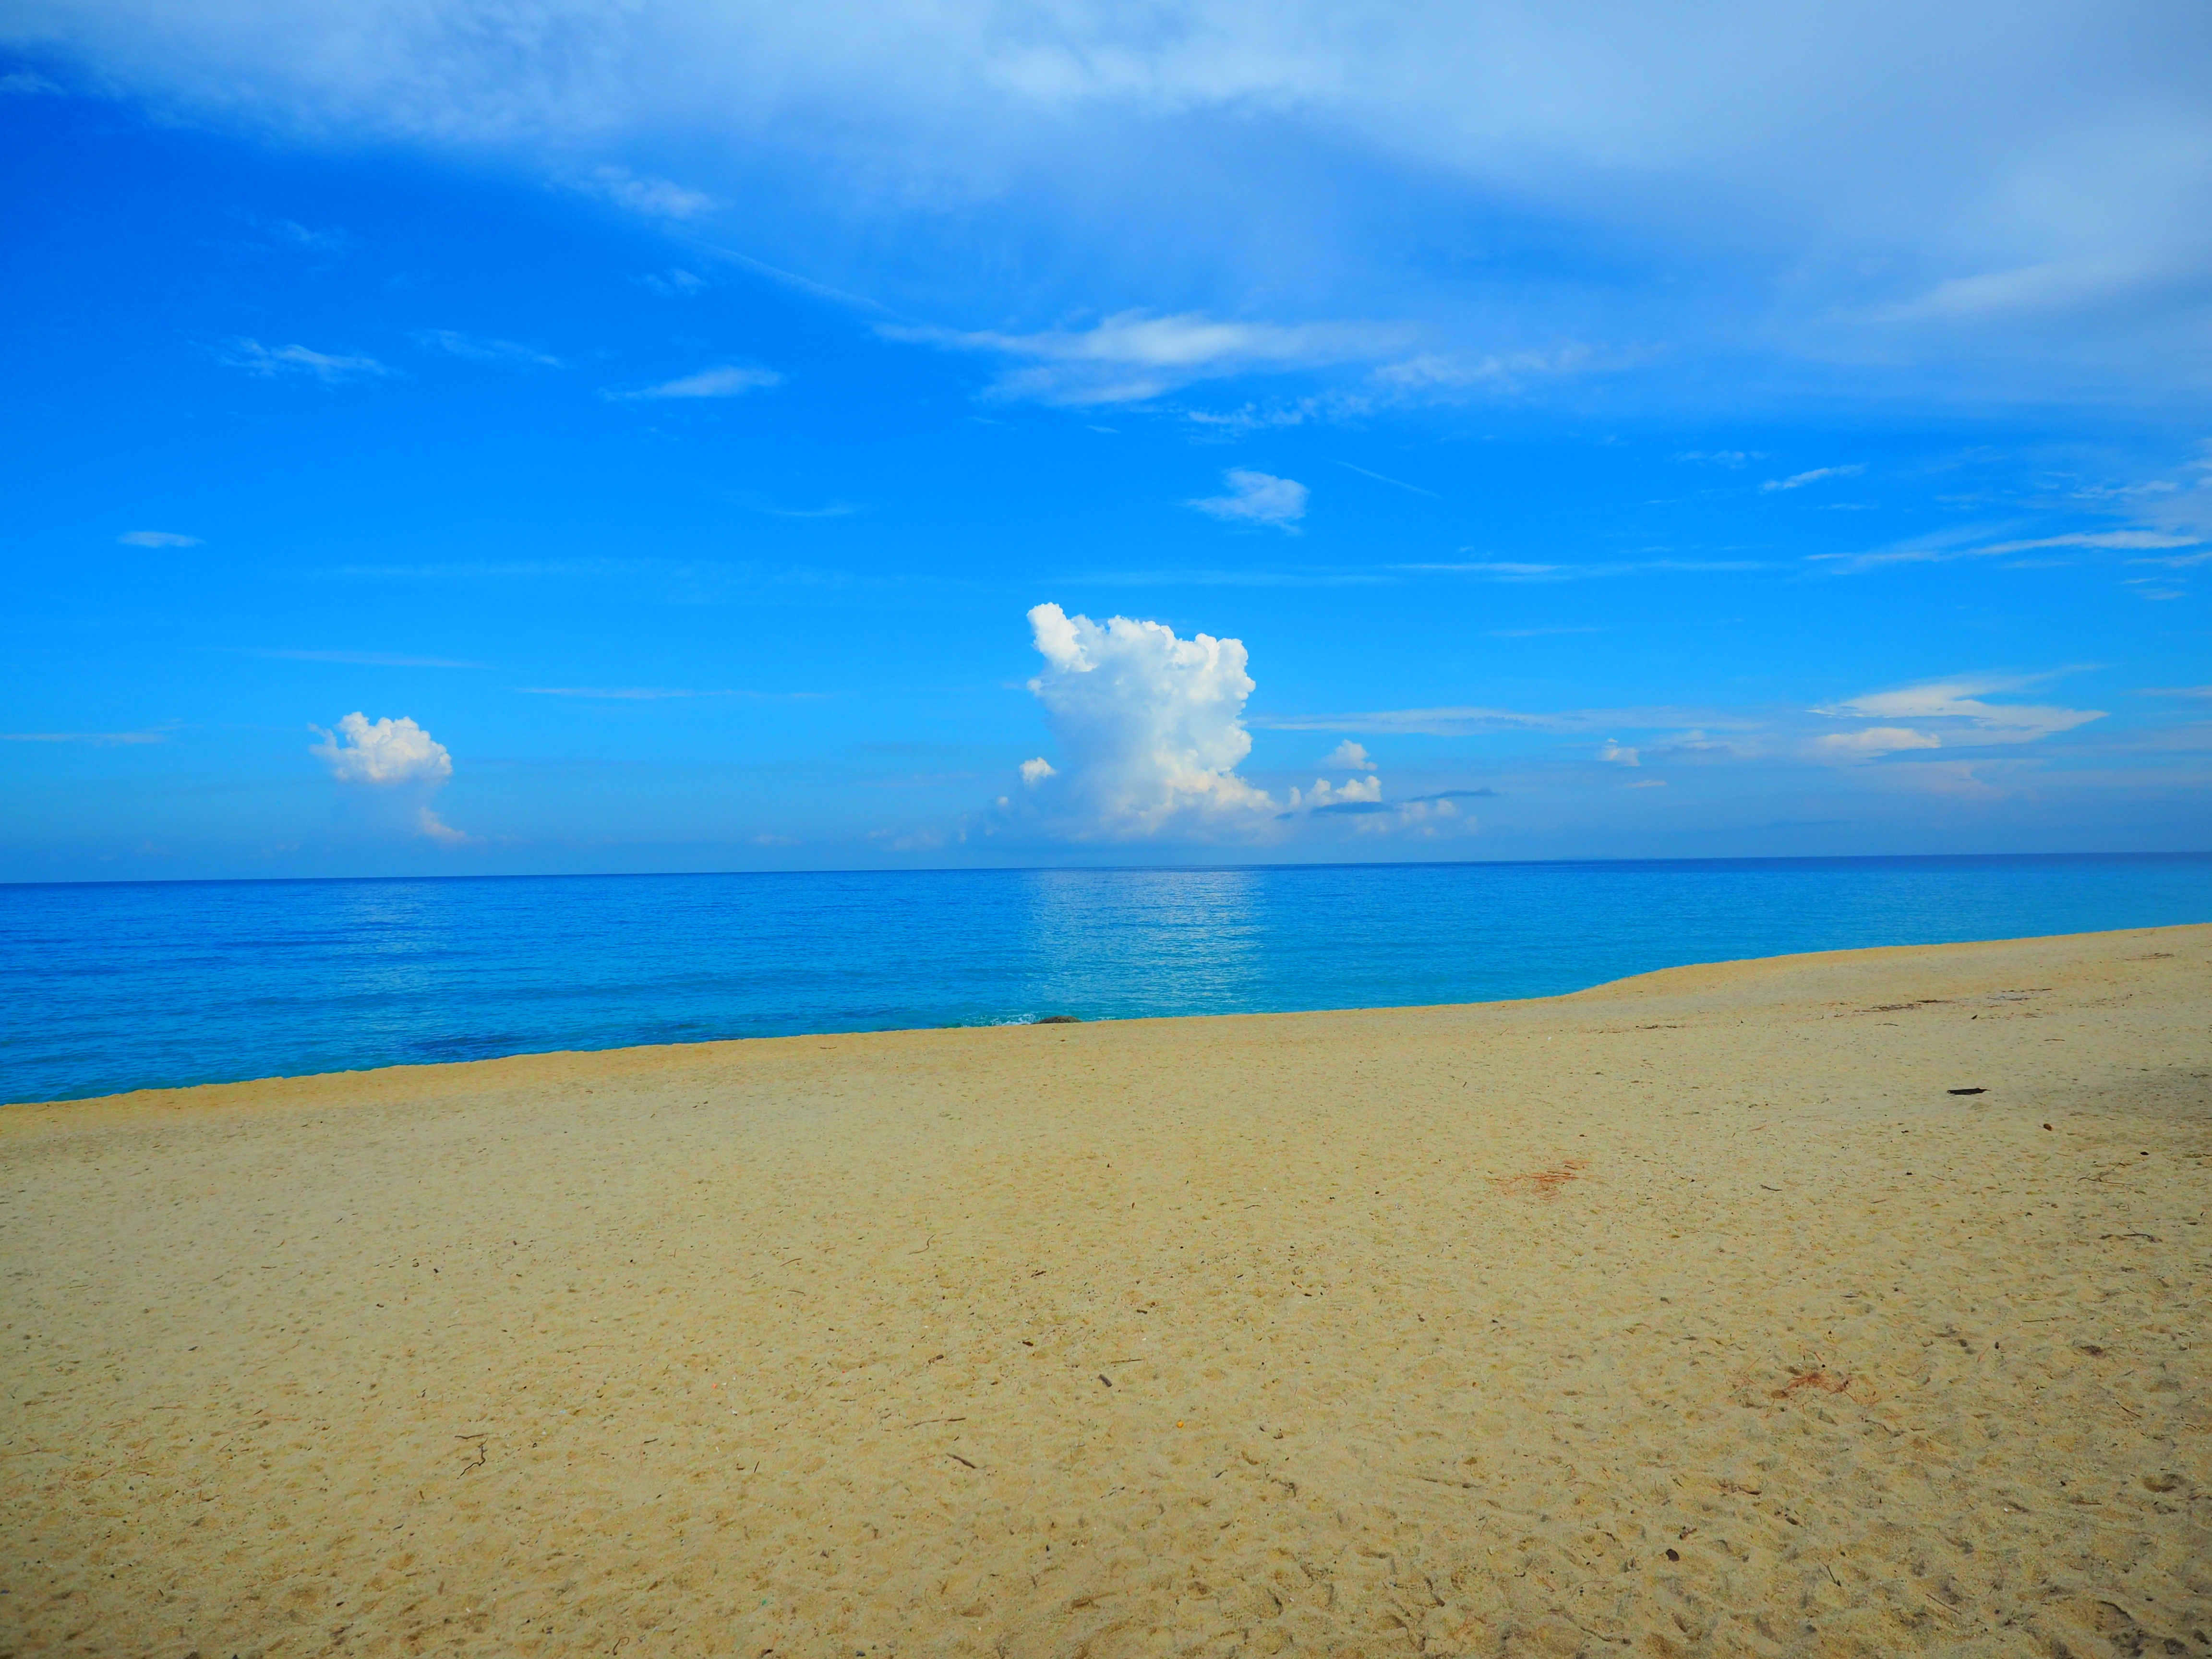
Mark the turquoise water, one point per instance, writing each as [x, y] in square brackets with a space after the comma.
[140, 985]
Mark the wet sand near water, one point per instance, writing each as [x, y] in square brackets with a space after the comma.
[1696, 1313]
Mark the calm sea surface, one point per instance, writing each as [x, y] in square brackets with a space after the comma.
[138, 984]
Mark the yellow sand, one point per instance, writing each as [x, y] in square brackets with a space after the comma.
[1689, 1315]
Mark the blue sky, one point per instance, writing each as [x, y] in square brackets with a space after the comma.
[718, 437]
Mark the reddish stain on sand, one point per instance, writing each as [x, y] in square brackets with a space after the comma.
[1544, 1184]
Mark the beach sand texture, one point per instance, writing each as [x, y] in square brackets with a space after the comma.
[1687, 1314]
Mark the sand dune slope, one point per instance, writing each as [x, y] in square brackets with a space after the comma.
[1689, 1315]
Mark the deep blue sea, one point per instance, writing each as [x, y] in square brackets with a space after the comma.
[105, 987]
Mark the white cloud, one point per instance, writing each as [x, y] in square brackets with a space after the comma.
[98, 739]
[1799, 480]
[396, 756]
[2114, 540]
[1432, 373]
[1958, 545]
[2054, 286]
[1876, 740]
[676, 284]
[308, 239]
[1961, 700]
[1618, 755]
[1134, 356]
[656, 199]
[1355, 791]
[386, 752]
[1349, 754]
[623, 693]
[1816, 161]
[1395, 483]
[428, 823]
[1034, 772]
[155, 539]
[269, 362]
[1150, 729]
[479, 350]
[1257, 498]
[730, 381]
[364, 659]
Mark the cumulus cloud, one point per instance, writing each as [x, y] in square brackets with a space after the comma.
[1257, 498]
[1150, 729]
[1619, 754]
[1034, 772]
[729, 380]
[155, 539]
[1354, 795]
[1349, 754]
[385, 752]
[1359, 804]
[391, 754]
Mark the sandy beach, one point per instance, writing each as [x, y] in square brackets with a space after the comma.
[1699, 1313]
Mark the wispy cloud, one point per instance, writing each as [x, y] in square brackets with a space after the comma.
[1134, 356]
[101, 739]
[2118, 540]
[1431, 374]
[626, 693]
[1395, 483]
[1799, 480]
[728, 381]
[834, 510]
[2198, 693]
[1966, 544]
[655, 198]
[307, 240]
[669, 582]
[1257, 498]
[1876, 741]
[1249, 576]
[1456, 720]
[674, 284]
[1517, 570]
[361, 659]
[480, 350]
[155, 539]
[270, 361]
[2047, 287]
[1961, 704]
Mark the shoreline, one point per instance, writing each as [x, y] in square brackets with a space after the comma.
[1695, 1312]
[1881, 954]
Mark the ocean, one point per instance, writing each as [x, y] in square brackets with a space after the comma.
[119, 986]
